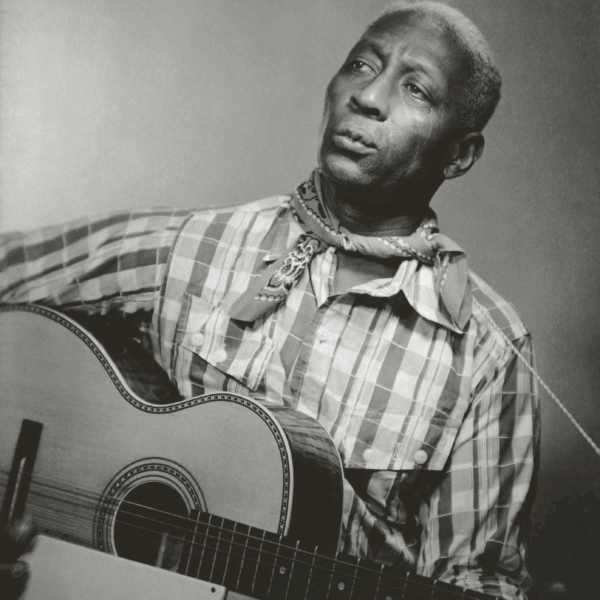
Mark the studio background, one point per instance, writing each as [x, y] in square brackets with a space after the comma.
[116, 104]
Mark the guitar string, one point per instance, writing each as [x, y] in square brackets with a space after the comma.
[311, 555]
[318, 581]
[211, 554]
[258, 539]
[128, 502]
[314, 577]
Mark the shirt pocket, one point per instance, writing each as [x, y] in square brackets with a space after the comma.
[236, 350]
[403, 442]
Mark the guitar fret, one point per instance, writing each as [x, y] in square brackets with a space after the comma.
[331, 572]
[203, 543]
[294, 560]
[228, 553]
[191, 547]
[258, 562]
[242, 566]
[265, 565]
[304, 581]
[379, 576]
[343, 578]
[247, 573]
[322, 572]
[208, 551]
[308, 583]
[274, 570]
[391, 584]
[228, 545]
[288, 578]
[367, 581]
[353, 581]
[215, 569]
[189, 543]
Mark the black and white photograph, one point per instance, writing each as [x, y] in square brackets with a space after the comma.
[299, 300]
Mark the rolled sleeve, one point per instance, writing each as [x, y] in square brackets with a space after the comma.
[114, 262]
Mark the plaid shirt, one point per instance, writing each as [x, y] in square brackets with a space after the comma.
[437, 428]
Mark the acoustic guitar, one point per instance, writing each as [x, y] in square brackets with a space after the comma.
[97, 446]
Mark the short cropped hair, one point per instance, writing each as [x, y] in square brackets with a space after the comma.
[481, 74]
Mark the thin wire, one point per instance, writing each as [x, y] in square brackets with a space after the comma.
[554, 397]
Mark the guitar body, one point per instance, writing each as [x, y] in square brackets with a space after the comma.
[242, 497]
[104, 447]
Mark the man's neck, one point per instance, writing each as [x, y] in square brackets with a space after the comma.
[355, 269]
[372, 215]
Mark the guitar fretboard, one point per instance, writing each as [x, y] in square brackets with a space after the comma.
[266, 566]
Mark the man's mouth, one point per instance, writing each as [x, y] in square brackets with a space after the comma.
[355, 139]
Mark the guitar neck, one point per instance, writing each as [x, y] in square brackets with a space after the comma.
[266, 566]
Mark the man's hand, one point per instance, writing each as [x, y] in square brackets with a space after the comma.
[16, 539]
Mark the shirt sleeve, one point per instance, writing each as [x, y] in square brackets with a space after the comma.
[467, 525]
[117, 262]
[475, 524]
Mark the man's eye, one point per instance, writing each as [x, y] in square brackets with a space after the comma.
[416, 91]
[360, 65]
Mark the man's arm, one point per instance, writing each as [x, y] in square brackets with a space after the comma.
[475, 523]
[97, 265]
[115, 263]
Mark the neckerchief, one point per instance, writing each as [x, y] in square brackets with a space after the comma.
[322, 230]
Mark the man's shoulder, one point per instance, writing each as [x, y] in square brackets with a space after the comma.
[494, 310]
[271, 203]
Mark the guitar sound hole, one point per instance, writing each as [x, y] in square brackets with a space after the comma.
[150, 525]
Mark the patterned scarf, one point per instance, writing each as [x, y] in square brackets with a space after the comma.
[426, 244]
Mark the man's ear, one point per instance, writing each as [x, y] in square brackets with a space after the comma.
[465, 152]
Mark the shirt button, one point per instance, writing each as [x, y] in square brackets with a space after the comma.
[322, 336]
[197, 339]
[420, 457]
[220, 355]
[368, 455]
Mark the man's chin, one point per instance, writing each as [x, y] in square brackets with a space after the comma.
[344, 171]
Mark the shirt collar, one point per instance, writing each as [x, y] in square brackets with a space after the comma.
[413, 278]
[417, 282]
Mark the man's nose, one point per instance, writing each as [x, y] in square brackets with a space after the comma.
[373, 98]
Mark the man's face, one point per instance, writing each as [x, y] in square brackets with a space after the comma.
[391, 110]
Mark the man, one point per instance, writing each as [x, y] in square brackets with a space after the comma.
[345, 302]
